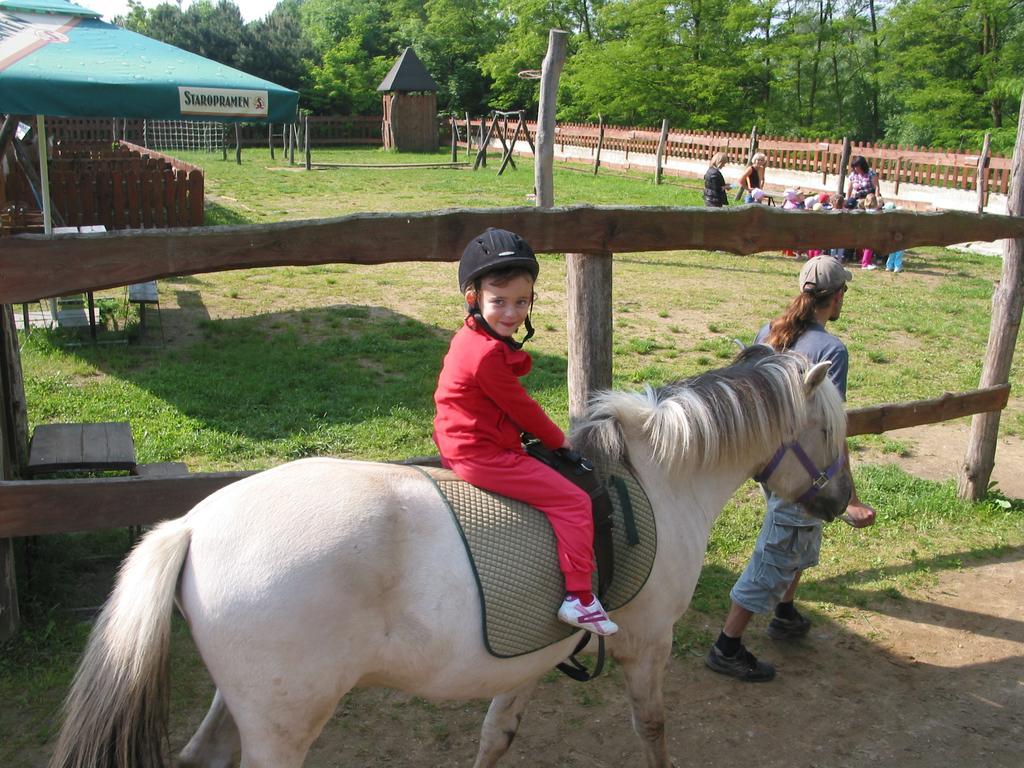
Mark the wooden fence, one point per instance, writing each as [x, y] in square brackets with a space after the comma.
[124, 186]
[894, 163]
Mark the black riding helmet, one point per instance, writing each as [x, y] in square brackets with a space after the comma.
[493, 250]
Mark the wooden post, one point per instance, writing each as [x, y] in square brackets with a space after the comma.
[469, 137]
[455, 136]
[293, 139]
[899, 173]
[223, 142]
[508, 151]
[305, 141]
[600, 142]
[1007, 303]
[661, 150]
[551, 71]
[844, 161]
[238, 143]
[589, 327]
[270, 139]
[752, 149]
[982, 182]
[526, 133]
[13, 456]
[481, 155]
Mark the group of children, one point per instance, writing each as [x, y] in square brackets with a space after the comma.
[796, 199]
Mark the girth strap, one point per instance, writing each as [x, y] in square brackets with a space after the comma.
[574, 668]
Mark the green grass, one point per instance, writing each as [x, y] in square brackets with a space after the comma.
[267, 365]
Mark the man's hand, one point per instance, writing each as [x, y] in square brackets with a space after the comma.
[858, 515]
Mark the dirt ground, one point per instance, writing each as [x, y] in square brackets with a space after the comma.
[934, 679]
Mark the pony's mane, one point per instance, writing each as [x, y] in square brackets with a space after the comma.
[752, 405]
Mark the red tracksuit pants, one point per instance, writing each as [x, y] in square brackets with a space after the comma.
[566, 506]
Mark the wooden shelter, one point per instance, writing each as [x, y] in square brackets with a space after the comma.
[410, 106]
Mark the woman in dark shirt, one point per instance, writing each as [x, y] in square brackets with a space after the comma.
[714, 183]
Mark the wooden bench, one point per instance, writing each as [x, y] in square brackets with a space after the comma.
[99, 447]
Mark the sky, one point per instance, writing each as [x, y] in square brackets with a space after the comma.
[251, 9]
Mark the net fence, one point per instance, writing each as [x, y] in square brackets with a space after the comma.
[188, 135]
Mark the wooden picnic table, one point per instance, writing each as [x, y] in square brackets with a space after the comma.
[105, 446]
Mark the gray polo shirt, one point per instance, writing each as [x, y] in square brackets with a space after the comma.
[818, 345]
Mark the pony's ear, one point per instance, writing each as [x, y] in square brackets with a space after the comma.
[816, 375]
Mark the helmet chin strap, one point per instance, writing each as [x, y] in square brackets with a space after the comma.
[474, 312]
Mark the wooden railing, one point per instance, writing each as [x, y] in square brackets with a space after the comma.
[124, 186]
[899, 164]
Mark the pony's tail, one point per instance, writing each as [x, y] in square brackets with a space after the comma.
[115, 715]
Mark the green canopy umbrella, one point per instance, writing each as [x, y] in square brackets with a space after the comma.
[58, 58]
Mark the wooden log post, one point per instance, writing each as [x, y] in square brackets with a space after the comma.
[13, 456]
[589, 327]
[270, 139]
[305, 142]
[982, 177]
[551, 71]
[752, 149]
[469, 137]
[1007, 304]
[238, 143]
[600, 143]
[455, 139]
[481, 155]
[293, 139]
[844, 161]
[662, 140]
[526, 133]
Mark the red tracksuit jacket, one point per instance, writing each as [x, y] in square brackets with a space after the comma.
[481, 404]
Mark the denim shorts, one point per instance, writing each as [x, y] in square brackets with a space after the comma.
[782, 549]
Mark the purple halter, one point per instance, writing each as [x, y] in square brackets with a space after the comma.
[819, 478]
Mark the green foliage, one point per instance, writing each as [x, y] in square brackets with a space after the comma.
[938, 72]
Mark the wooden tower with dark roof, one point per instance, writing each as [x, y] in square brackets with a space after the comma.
[410, 106]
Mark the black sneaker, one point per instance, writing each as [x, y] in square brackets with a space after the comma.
[743, 666]
[788, 629]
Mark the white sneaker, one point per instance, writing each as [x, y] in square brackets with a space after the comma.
[869, 266]
[592, 618]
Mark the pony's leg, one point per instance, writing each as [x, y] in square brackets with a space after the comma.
[644, 671]
[216, 744]
[502, 722]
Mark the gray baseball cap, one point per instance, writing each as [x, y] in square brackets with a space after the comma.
[823, 274]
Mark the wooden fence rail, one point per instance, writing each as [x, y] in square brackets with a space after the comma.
[34, 265]
[41, 507]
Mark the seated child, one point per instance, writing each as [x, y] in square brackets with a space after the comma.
[794, 199]
[482, 408]
[894, 263]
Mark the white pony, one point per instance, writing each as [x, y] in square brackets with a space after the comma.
[307, 580]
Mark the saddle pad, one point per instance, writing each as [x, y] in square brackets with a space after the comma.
[511, 548]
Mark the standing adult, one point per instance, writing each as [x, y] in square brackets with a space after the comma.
[714, 183]
[862, 182]
[753, 177]
[790, 539]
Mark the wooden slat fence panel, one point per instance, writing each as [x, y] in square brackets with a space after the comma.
[894, 163]
[124, 186]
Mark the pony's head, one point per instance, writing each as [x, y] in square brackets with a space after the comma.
[742, 414]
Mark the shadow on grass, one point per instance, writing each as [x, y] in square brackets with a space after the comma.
[337, 380]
